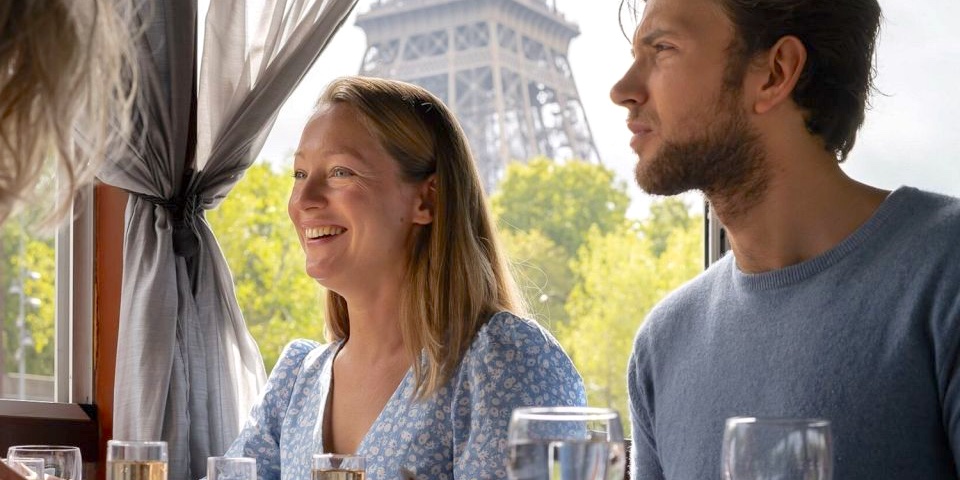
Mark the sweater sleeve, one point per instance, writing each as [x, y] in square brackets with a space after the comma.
[948, 353]
[644, 462]
[512, 363]
[260, 436]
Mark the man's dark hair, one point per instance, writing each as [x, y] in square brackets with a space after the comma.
[840, 38]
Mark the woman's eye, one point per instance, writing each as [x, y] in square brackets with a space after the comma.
[340, 172]
[299, 175]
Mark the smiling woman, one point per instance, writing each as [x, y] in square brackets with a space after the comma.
[426, 355]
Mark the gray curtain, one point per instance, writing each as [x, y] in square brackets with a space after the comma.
[187, 369]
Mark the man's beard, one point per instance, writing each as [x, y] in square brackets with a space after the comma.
[725, 160]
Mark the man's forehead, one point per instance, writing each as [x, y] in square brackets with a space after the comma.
[684, 17]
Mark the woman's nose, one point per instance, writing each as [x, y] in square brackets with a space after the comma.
[308, 193]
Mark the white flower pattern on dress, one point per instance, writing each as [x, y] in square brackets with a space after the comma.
[459, 433]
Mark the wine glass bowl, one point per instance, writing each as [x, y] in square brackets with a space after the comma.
[231, 468]
[568, 443]
[62, 462]
[777, 448]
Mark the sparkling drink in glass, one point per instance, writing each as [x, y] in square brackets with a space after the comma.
[329, 466]
[62, 462]
[136, 460]
[566, 443]
[777, 448]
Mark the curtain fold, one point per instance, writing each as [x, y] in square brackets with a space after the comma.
[188, 370]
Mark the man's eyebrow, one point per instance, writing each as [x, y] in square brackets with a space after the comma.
[652, 37]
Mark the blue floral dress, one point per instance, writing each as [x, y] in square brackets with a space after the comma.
[461, 432]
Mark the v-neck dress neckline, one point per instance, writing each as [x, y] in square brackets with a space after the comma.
[326, 379]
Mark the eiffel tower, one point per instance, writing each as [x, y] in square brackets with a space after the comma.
[500, 65]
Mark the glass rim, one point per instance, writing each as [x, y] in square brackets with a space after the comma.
[136, 443]
[33, 448]
[232, 459]
[337, 455]
[566, 414]
[811, 422]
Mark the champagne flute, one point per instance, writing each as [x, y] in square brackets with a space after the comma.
[777, 448]
[231, 468]
[136, 460]
[331, 466]
[28, 468]
[566, 443]
[62, 462]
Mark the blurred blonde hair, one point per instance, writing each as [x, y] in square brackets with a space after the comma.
[67, 81]
[457, 276]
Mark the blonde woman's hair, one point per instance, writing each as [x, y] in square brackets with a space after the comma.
[67, 83]
[457, 276]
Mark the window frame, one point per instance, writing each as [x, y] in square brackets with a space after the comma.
[73, 320]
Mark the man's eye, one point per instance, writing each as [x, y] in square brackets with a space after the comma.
[662, 47]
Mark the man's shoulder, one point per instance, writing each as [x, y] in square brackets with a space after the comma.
[929, 222]
[933, 212]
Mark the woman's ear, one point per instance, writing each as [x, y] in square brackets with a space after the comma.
[426, 201]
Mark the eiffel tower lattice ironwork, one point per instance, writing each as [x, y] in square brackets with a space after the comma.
[501, 66]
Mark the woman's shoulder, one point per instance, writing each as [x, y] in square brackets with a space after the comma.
[516, 354]
[507, 330]
[299, 353]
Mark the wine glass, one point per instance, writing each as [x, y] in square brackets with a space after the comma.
[777, 449]
[136, 460]
[332, 466]
[61, 462]
[231, 468]
[565, 443]
[28, 468]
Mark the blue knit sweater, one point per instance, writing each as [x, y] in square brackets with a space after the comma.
[866, 335]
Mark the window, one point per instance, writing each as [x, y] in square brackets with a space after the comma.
[46, 278]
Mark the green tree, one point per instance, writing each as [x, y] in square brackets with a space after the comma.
[545, 210]
[32, 252]
[279, 301]
[543, 274]
[665, 216]
[620, 278]
[562, 200]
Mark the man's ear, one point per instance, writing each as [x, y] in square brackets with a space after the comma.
[778, 73]
[425, 207]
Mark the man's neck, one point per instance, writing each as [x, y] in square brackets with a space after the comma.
[807, 207]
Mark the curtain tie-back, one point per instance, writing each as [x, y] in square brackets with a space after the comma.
[184, 211]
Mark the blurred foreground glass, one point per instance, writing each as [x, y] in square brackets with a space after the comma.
[58, 461]
[330, 466]
[28, 468]
[566, 443]
[136, 460]
[231, 468]
[777, 448]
